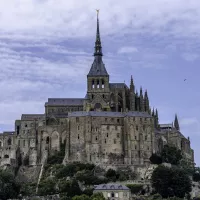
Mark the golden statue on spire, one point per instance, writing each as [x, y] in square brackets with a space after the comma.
[97, 11]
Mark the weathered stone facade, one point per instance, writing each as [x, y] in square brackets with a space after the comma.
[112, 124]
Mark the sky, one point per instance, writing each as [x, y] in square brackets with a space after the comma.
[46, 51]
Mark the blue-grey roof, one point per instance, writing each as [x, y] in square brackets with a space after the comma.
[108, 114]
[118, 85]
[98, 67]
[65, 101]
[32, 116]
[111, 187]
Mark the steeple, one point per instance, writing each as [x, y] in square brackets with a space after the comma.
[98, 48]
[98, 67]
[141, 100]
[146, 102]
[176, 124]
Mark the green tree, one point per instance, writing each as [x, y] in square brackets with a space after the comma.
[47, 187]
[171, 154]
[9, 188]
[155, 159]
[169, 182]
[97, 196]
[82, 197]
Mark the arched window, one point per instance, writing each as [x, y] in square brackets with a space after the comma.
[6, 156]
[102, 83]
[47, 140]
[93, 84]
[97, 83]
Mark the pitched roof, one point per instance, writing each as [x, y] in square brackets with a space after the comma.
[65, 101]
[111, 187]
[118, 85]
[98, 67]
[32, 116]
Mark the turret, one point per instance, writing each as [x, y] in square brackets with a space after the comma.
[132, 95]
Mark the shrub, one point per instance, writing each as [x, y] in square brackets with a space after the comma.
[155, 159]
[47, 187]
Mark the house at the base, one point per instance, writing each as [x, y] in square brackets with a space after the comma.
[114, 191]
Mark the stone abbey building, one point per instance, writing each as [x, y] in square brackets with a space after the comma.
[112, 124]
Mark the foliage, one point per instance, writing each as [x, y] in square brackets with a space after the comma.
[9, 188]
[155, 159]
[170, 182]
[71, 188]
[47, 187]
[89, 179]
[88, 191]
[110, 173]
[171, 154]
[135, 188]
[82, 197]
[27, 189]
[97, 196]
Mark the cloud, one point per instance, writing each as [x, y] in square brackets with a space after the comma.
[127, 50]
[190, 56]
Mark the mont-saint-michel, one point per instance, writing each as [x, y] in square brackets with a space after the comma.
[113, 126]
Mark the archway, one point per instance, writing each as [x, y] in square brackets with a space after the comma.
[97, 107]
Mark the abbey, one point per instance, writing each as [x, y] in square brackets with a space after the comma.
[111, 125]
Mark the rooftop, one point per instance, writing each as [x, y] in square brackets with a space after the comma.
[111, 187]
[65, 101]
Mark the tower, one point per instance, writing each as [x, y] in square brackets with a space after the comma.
[98, 77]
[132, 95]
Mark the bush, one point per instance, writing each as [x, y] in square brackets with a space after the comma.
[47, 187]
[135, 188]
[196, 176]
[82, 197]
[9, 188]
[88, 191]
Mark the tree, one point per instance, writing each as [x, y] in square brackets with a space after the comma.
[82, 197]
[169, 182]
[47, 187]
[9, 188]
[97, 196]
[171, 154]
[155, 159]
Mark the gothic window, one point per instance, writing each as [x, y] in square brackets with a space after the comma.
[102, 83]
[97, 83]
[92, 96]
[93, 84]
[78, 136]
[9, 141]
[24, 143]
[137, 128]
[118, 135]
[17, 130]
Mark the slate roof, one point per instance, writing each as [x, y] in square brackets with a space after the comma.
[65, 101]
[166, 125]
[108, 114]
[118, 85]
[98, 68]
[111, 187]
[32, 116]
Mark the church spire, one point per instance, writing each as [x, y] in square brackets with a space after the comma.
[176, 124]
[98, 48]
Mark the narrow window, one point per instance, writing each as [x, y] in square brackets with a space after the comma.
[97, 83]
[78, 136]
[137, 128]
[107, 134]
[24, 143]
[102, 83]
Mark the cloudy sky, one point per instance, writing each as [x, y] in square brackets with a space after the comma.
[46, 49]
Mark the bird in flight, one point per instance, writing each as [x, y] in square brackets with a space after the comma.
[185, 79]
